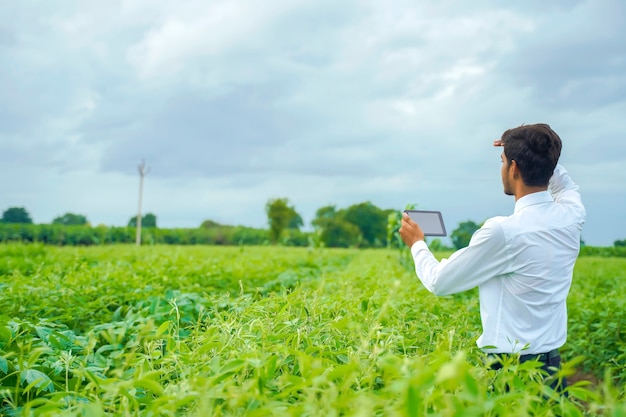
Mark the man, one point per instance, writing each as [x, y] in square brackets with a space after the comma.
[523, 263]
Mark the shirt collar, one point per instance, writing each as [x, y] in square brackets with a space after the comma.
[539, 197]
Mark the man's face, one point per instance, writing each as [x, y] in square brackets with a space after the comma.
[506, 176]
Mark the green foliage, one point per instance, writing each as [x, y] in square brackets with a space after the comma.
[436, 245]
[295, 237]
[71, 219]
[16, 215]
[333, 231]
[225, 331]
[462, 235]
[85, 235]
[338, 233]
[394, 222]
[208, 224]
[394, 240]
[597, 316]
[371, 222]
[148, 220]
[620, 243]
[611, 251]
[360, 225]
[281, 216]
[296, 222]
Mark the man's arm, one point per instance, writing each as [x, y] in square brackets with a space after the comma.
[484, 258]
[564, 190]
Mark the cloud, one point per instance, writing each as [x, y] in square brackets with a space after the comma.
[234, 102]
[574, 56]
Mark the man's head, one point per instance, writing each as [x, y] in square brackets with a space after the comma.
[534, 151]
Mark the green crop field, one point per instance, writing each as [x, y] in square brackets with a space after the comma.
[274, 331]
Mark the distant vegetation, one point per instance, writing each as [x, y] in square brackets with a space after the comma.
[16, 215]
[148, 220]
[361, 225]
[71, 219]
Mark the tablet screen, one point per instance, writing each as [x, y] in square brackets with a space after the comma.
[431, 222]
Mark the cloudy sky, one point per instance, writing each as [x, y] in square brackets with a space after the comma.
[233, 102]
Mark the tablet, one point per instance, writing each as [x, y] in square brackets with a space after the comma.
[430, 222]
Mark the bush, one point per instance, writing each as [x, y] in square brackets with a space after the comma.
[61, 235]
[618, 251]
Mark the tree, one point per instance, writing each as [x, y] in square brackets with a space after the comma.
[436, 245]
[370, 225]
[148, 220]
[281, 216]
[296, 222]
[209, 224]
[322, 215]
[619, 243]
[71, 219]
[338, 233]
[16, 215]
[333, 230]
[462, 235]
[371, 221]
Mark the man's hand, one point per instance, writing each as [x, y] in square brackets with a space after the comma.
[410, 231]
[498, 142]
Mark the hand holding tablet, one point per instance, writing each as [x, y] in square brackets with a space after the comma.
[431, 222]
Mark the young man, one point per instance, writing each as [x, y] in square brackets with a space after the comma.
[523, 263]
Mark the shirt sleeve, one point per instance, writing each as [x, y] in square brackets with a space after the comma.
[485, 257]
[564, 190]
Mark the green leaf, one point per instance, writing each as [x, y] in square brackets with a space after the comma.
[163, 328]
[4, 365]
[5, 334]
[472, 385]
[413, 402]
[37, 379]
[341, 372]
[92, 410]
[343, 359]
[149, 384]
[233, 366]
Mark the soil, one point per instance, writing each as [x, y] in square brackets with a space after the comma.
[584, 376]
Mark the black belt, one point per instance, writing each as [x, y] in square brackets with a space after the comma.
[541, 357]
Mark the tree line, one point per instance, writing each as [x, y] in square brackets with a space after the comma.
[19, 215]
[362, 225]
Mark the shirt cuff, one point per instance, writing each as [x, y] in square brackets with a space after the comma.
[418, 246]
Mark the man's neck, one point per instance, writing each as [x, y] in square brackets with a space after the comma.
[523, 190]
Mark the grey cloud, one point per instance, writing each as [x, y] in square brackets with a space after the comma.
[189, 134]
[14, 153]
[574, 59]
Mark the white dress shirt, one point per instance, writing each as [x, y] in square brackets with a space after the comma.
[522, 265]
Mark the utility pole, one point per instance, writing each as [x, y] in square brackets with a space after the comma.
[143, 171]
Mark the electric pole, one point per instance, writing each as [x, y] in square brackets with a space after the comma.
[143, 171]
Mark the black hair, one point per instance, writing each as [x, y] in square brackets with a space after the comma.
[535, 149]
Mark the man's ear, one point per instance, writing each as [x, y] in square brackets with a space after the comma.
[515, 169]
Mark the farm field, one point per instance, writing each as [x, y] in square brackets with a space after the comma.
[276, 331]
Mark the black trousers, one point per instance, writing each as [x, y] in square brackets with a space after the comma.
[551, 363]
